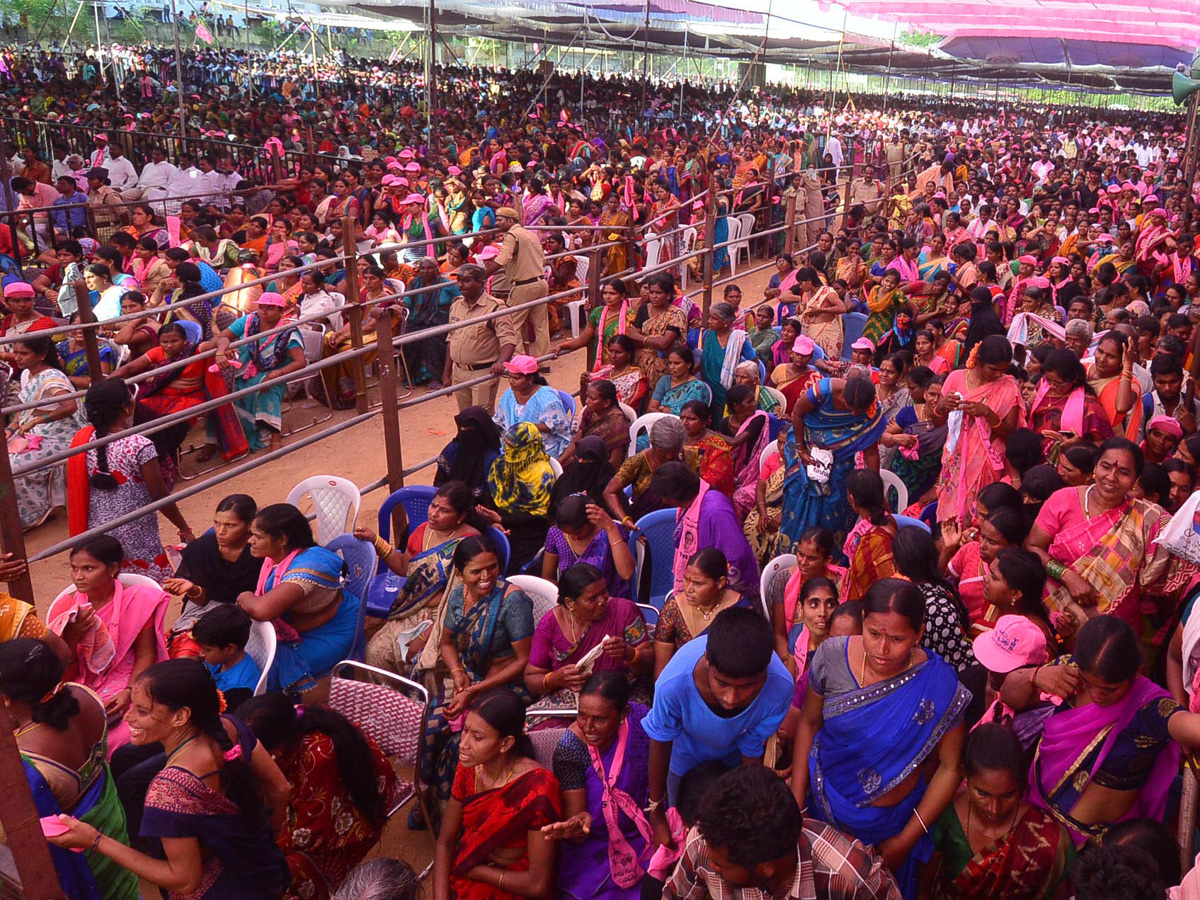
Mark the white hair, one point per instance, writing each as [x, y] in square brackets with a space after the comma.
[379, 879]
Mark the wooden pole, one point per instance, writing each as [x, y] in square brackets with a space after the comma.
[91, 343]
[18, 814]
[354, 313]
[10, 528]
[789, 234]
[710, 238]
[386, 360]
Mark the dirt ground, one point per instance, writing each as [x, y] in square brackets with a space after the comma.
[357, 454]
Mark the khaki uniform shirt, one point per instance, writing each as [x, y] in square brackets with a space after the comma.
[521, 255]
[475, 345]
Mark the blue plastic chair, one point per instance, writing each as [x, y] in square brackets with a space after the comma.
[568, 401]
[762, 372]
[503, 551]
[360, 565]
[905, 521]
[853, 325]
[658, 530]
[386, 584]
[929, 514]
[195, 334]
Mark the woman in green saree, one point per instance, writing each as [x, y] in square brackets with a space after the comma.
[62, 734]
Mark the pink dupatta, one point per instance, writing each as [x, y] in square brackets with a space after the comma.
[687, 535]
[624, 863]
[1072, 414]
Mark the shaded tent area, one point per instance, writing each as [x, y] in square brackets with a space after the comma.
[1116, 45]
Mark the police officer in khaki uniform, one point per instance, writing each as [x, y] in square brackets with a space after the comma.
[477, 349]
[523, 260]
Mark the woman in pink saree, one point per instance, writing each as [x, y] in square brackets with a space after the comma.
[1110, 751]
[1100, 547]
[980, 405]
[1065, 408]
[115, 630]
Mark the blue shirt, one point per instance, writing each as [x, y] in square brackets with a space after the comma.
[244, 674]
[698, 734]
[69, 212]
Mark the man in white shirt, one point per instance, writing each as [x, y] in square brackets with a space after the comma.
[61, 164]
[156, 175]
[834, 148]
[185, 181]
[122, 176]
[100, 156]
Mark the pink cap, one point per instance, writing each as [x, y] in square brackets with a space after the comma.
[1061, 260]
[1041, 282]
[18, 289]
[389, 159]
[1113, 189]
[405, 154]
[414, 198]
[1027, 260]
[412, 167]
[1013, 643]
[522, 365]
[270, 298]
[1167, 424]
[454, 170]
[394, 165]
[804, 346]
[388, 180]
[863, 344]
[489, 252]
[102, 137]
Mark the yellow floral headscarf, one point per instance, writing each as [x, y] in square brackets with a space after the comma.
[520, 480]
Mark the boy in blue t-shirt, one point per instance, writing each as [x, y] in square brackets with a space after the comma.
[722, 695]
[221, 634]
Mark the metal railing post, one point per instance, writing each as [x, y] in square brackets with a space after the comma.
[355, 314]
[631, 248]
[593, 285]
[87, 316]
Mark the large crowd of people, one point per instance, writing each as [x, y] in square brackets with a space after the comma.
[924, 626]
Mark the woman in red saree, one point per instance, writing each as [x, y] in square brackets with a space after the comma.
[990, 843]
[491, 846]
[342, 786]
[981, 405]
[871, 553]
[1065, 407]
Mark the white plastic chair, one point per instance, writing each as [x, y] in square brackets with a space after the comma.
[582, 264]
[653, 250]
[630, 412]
[689, 244]
[782, 564]
[129, 579]
[735, 233]
[777, 394]
[312, 338]
[556, 468]
[892, 480]
[747, 229]
[261, 648]
[335, 500]
[543, 593]
[575, 315]
[643, 423]
[768, 451]
[545, 742]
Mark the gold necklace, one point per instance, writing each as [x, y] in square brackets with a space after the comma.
[26, 728]
[862, 675]
[1011, 825]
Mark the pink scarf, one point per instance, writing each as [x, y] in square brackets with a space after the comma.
[664, 858]
[1072, 414]
[283, 631]
[622, 321]
[687, 537]
[626, 870]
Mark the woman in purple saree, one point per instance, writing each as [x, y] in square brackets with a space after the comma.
[601, 764]
[1110, 751]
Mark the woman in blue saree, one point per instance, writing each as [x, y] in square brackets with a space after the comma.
[881, 733]
[483, 636]
[842, 417]
[300, 592]
[722, 348]
[267, 359]
[53, 722]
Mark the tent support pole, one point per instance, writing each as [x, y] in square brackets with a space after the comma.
[683, 69]
[431, 72]
[645, 53]
[181, 91]
[887, 82]
[583, 65]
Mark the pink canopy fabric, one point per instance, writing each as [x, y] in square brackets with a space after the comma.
[1174, 23]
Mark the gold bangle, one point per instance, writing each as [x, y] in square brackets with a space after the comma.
[500, 883]
[382, 547]
[458, 669]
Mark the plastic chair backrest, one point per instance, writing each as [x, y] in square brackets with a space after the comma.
[194, 332]
[853, 324]
[762, 372]
[630, 412]
[780, 565]
[313, 340]
[503, 551]
[929, 514]
[658, 530]
[543, 593]
[545, 741]
[771, 448]
[778, 395]
[336, 501]
[891, 481]
[653, 251]
[395, 720]
[905, 521]
[568, 402]
[643, 423]
[360, 561]
[415, 499]
[582, 264]
[261, 648]
[556, 468]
